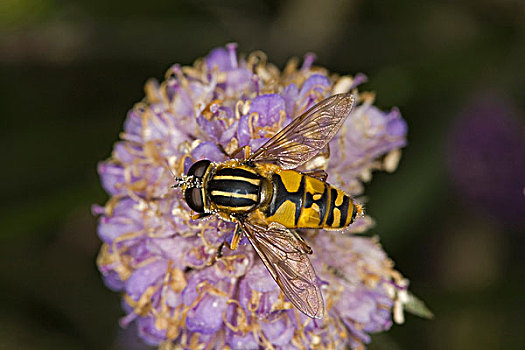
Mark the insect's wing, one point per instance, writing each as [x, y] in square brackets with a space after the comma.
[285, 255]
[307, 134]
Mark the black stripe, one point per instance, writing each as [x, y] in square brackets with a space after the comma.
[322, 202]
[233, 186]
[343, 209]
[333, 197]
[237, 172]
[354, 213]
[308, 200]
[232, 201]
[299, 204]
[282, 195]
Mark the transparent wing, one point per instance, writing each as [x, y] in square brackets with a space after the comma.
[307, 134]
[285, 255]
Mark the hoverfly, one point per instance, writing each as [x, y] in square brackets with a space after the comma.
[267, 199]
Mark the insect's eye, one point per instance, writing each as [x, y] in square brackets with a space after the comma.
[199, 168]
[193, 197]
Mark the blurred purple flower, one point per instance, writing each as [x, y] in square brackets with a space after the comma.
[487, 158]
[175, 289]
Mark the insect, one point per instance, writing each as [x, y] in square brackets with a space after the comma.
[268, 200]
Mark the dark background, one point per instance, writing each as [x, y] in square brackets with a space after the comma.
[452, 216]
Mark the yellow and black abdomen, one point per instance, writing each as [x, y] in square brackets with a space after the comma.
[301, 201]
[234, 189]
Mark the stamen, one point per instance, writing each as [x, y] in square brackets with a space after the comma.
[232, 48]
[309, 59]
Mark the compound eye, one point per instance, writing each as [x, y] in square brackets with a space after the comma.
[199, 168]
[193, 197]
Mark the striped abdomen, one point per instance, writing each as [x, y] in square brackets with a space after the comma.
[301, 201]
[235, 189]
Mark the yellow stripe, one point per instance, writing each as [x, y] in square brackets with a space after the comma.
[291, 179]
[314, 185]
[285, 214]
[309, 217]
[235, 209]
[234, 195]
[350, 212]
[328, 206]
[337, 218]
[237, 178]
[339, 199]
[248, 169]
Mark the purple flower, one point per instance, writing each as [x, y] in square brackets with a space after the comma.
[165, 263]
[485, 158]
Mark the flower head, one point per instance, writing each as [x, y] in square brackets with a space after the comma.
[486, 146]
[176, 289]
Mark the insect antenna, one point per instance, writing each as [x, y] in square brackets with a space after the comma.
[179, 180]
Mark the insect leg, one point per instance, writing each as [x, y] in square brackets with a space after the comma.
[200, 216]
[247, 151]
[219, 251]
[236, 237]
[217, 256]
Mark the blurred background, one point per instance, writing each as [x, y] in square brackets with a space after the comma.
[452, 216]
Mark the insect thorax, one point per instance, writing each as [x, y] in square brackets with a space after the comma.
[235, 189]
